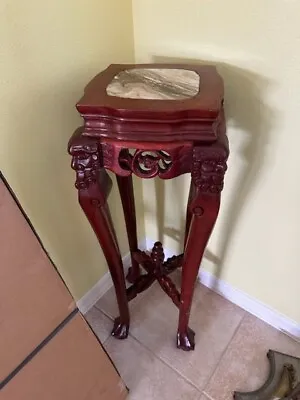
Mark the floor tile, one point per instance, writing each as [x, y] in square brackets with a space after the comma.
[204, 397]
[154, 323]
[100, 323]
[146, 376]
[244, 366]
[108, 303]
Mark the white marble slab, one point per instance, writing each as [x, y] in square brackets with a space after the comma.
[155, 84]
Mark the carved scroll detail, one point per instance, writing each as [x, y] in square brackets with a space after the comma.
[208, 169]
[166, 162]
[157, 255]
[173, 263]
[108, 152]
[146, 164]
[85, 161]
[170, 289]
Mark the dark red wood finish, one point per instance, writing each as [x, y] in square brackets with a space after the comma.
[153, 120]
[94, 186]
[127, 197]
[168, 138]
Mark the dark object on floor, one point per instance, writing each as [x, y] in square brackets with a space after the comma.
[283, 382]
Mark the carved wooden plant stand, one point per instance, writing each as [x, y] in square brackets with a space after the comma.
[152, 137]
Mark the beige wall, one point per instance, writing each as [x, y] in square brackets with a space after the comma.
[256, 47]
[49, 50]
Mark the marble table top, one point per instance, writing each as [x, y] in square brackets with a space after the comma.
[155, 84]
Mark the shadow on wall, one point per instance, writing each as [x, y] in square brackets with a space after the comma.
[248, 127]
[45, 180]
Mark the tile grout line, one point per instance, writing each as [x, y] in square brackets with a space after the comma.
[157, 358]
[165, 363]
[222, 355]
[104, 313]
[91, 325]
[207, 395]
[108, 337]
[170, 366]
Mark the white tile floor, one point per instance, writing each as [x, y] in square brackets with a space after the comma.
[230, 354]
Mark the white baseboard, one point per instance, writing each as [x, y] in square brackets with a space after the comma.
[236, 296]
[250, 304]
[103, 285]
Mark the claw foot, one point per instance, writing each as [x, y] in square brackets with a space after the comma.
[133, 274]
[186, 340]
[120, 329]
